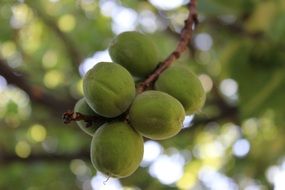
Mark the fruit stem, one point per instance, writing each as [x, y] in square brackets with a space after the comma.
[105, 182]
[185, 38]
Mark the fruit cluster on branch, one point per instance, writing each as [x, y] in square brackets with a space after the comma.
[118, 113]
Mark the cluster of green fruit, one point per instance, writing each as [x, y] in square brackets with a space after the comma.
[110, 93]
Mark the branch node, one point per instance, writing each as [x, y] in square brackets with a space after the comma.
[176, 54]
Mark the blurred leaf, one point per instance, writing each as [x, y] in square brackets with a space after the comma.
[262, 16]
[261, 80]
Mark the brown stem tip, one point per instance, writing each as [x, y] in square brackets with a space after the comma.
[70, 116]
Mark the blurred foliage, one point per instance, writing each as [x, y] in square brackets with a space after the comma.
[237, 51]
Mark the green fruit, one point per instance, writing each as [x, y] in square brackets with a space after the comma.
[82, 107]
[184, 85]
[156, 115]
[136, 52]
[109, 89]
[116, 149]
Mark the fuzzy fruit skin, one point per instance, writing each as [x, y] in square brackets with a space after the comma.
[156, 115]
[181, 83]
[136, 52]
[116, 149]
[82, 107]
[109, 89]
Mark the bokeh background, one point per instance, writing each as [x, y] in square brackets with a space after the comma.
[235, 142]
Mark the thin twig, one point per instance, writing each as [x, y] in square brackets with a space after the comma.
[37, 94]
[185, 38]
[9, 158]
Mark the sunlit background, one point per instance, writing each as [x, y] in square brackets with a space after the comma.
[235, 142]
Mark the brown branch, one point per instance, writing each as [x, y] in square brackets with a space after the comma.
[35, 93]
[185, 37]
[6, 158]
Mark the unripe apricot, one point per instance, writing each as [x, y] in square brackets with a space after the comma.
[136, 52]
[109, 89]
[184, 85]
[156, 115]
[82, 107]
[116, 149]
